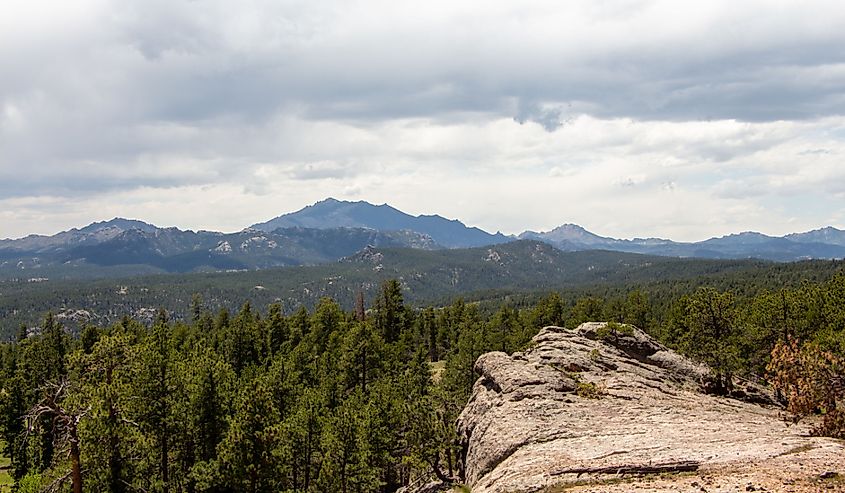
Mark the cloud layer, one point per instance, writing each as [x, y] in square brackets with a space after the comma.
[630, 117]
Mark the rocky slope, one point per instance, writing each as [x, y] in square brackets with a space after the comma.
[585, 409]
[130, 244]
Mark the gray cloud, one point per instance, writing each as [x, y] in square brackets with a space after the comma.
[194, 61]
[551, 118]
[101, 97]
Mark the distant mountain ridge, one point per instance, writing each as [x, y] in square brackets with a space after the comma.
[94, 233]
[333, 213]
[828, 235]
[333, 229]
[824, 243]
[148, 249]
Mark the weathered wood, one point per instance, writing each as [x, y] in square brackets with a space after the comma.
[682, 466]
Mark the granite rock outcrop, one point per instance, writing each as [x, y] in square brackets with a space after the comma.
[597, 403]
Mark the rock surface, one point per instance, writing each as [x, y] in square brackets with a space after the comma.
[593, 398]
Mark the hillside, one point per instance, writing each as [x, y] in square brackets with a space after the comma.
[391, 380]
[426, 277]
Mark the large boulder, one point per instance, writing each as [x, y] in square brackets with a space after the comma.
[595, 402]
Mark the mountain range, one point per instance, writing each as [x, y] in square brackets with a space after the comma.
[333, 229]
[825, 243]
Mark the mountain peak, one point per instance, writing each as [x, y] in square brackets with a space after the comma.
[334, 213]
[119, 223]
[744, 237]
[828, 235]
[571, 227]
[575, 233]
[329, 201]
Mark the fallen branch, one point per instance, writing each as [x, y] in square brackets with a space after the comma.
[683, 466]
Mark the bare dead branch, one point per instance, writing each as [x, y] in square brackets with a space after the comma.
[682, 466]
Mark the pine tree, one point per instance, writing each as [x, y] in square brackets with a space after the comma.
[636, 309]
[196, 307]
[391, 314]
[327, 320]
[505, 332]
[709, 318]
[428, 333]
[108, 434]
[241, 342]
[426, 436]
[300, 449]
[278, 332]
[155, 390]
[344, 446]
[248, 460]
[361, 356]
[64, 420]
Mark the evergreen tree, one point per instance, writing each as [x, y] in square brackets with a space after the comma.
[196, 307]
[328, 319]
[156, 386]
[391, 315]
[278, 332]
[247, 460]
[636, 310]
[108, 435]
[549, 311]
[300, 450]
[709, 322]
[362, 356]
[505, 330]
[428, 332]
[242, 342]
[587, 309]
[345, 466]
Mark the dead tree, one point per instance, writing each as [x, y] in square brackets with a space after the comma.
[65, 425]
[636, 469]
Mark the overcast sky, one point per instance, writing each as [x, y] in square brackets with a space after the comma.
[631, 118]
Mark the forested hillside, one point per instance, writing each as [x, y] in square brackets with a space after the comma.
[427, 277]
[357, 400]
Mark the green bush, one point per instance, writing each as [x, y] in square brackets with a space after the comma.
[31, 483]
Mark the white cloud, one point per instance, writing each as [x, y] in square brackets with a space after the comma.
[498, 175]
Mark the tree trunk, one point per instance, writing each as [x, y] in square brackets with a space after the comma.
[76, 469]
[434, 462]
[164, 462]
[364, 372]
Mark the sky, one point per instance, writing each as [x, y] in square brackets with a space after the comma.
[665, 118]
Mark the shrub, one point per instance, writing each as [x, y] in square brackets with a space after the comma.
[590, 390]
[813, 382]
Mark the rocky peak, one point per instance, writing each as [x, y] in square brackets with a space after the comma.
[584, 404]
[369, 254]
